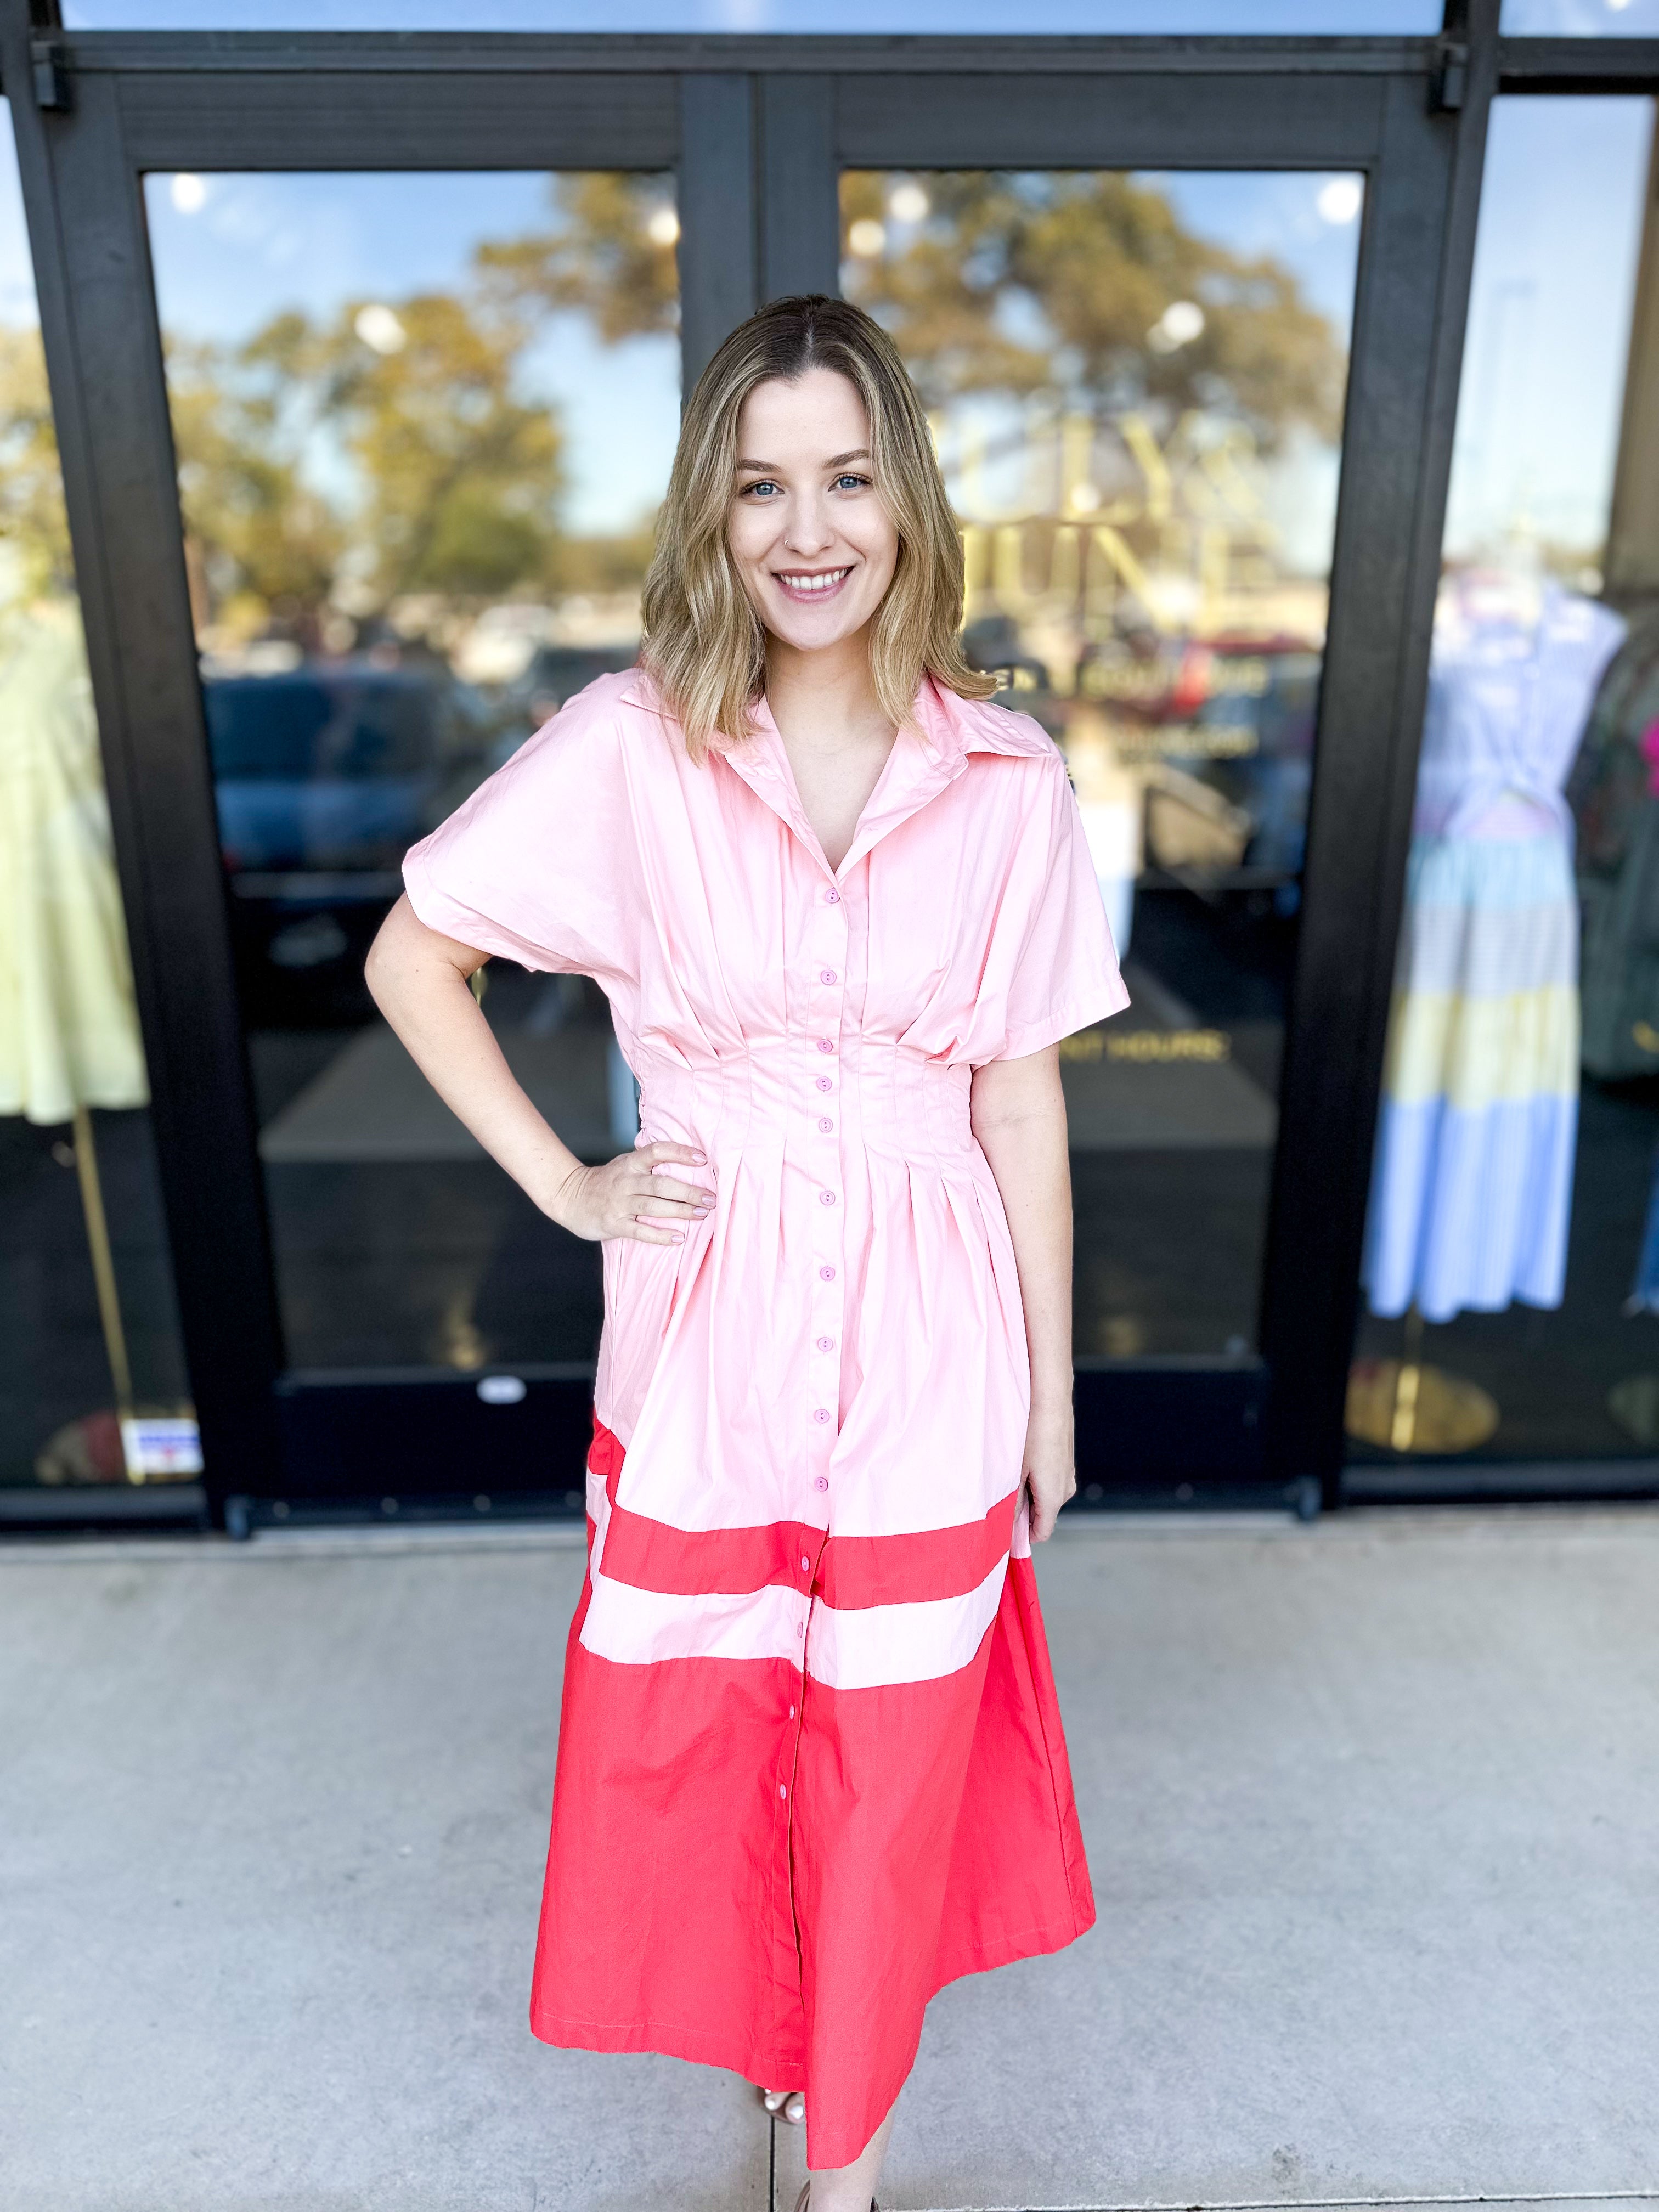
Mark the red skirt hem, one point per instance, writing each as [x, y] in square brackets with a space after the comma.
[751, 1870]
[663, 2039]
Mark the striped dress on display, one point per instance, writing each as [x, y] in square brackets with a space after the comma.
[1472, 1177]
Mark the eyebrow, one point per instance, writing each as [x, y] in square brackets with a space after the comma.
[835, 461]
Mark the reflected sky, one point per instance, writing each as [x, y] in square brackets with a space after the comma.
[1308, 222]
[234, 251]
[1583, 19]
[1028, 17]
[1549, 320]
[1292, 215]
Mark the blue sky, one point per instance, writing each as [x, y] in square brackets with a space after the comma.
[1549, 320]
[1029, 17]
[257, 244]
[1587, 18]
[1591, 18]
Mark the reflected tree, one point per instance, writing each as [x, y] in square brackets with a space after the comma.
[341, 464]
[383, 452]
[1088, 282]
[400, 447]
[461, 475]
[33, 529]
[608, 252]
[259, 539]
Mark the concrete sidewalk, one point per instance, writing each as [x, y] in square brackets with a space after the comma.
[1372, 1808]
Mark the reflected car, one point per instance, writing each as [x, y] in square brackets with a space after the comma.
[324, 775]
[554, 674]
[1275, 703]
[995, 645]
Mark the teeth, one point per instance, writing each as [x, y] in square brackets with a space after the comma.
[815, 583]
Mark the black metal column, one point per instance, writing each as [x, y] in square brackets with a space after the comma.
[799, 186]
[719, 284]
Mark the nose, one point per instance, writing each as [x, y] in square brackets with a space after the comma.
[810, 528]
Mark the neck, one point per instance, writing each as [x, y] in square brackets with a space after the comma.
[824, 698]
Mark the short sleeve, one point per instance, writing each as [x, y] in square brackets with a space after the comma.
[1053, 942]
[539, 865]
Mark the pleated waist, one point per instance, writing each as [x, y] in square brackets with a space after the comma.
[887, 1098]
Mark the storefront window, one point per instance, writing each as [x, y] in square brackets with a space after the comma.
[1136, 383]
[93, 1394]
[422, 425]
[959, 18]
[1511, 1271]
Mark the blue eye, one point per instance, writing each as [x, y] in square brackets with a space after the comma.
[850, 477]
[762, 484]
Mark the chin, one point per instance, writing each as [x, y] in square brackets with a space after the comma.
[812, 633]
[808, 637]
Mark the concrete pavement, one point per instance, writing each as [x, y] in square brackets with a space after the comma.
[1372, 1808]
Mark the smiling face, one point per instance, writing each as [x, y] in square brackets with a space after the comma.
[814, 545]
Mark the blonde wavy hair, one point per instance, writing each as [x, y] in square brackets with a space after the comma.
[704, 645]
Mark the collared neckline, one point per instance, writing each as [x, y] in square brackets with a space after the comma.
[929, 751]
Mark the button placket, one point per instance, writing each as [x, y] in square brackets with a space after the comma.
[825, 960]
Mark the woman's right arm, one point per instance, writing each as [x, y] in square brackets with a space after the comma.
[421, 981]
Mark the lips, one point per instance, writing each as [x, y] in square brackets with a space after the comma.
[806, 583]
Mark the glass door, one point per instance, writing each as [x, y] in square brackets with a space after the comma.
[421, 424]
[1136, 382]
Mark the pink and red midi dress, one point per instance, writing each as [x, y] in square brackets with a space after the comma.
[810, 1766]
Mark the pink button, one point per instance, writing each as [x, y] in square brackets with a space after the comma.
[826, 1044]
[825, 1123]
[826, 1274]
[826, 1198]
[832, 898]
[822, 1483]
[791, 1712]
[805, 1564]
[783, 1790]
[800, 1628]
[826, 1344]
[821, 1414]
[826, 1083]
[827, 975]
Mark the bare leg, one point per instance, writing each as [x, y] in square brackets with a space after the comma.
[851, 2188]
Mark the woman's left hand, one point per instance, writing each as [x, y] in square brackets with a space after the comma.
[1050, 1468]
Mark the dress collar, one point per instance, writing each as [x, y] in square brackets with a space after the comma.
[929, 753]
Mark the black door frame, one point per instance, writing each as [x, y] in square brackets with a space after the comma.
[757, 129]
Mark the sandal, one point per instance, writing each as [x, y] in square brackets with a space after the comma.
[802, 2202]
[785, 2105]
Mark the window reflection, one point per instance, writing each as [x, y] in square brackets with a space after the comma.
[1510, 1265]
[1233, 18]
[423, 424]
[1136, 386]
[92, 1384]
[1581, 19]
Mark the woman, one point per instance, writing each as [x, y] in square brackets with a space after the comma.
[810, 1764]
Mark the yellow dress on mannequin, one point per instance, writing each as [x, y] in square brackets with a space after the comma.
[69, 1025]
[68, 1028]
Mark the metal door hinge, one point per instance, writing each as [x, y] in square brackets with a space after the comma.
[1449, 87]
[52, 77]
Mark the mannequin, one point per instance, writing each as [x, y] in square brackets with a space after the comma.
[1471, 1178]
